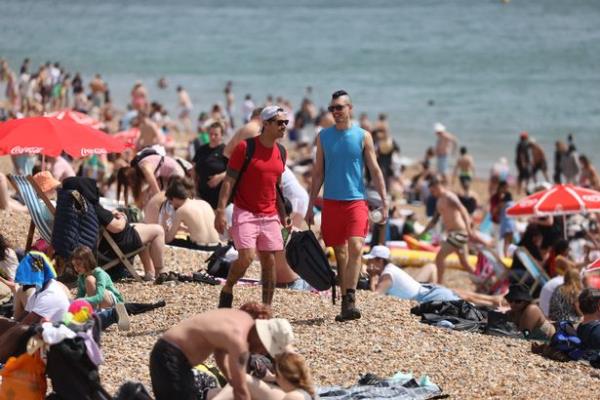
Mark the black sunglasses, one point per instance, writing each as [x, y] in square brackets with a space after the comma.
[281, 122]
[337, 107]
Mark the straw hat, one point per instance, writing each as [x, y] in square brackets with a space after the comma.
[45, 181]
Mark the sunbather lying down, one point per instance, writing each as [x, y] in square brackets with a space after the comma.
[387, 278]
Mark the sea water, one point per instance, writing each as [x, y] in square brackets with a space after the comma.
[484, 68]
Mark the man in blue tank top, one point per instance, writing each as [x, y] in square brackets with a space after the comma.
[342, 151]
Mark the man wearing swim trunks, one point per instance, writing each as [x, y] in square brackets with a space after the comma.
[342, 151]
[229, 335]
[457, 223]
[257, 213]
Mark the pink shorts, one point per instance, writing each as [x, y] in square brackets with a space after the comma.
[255, 231]
[343, 219]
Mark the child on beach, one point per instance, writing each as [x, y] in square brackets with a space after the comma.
[96, 286]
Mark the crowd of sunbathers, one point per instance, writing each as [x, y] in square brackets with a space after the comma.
[171, 188]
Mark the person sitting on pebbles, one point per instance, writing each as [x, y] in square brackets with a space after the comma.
[96, 287]
[528, 317]
[228, 334]
[387, 278]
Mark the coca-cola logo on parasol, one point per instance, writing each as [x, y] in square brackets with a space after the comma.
[91, 152]
[26, 150]
[592, 198]
[527, 202]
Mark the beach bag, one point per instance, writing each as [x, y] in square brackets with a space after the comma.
[216, 265]
[23, 378]
[566, 341]
[73, 375]
[132, 391]
[306, 257]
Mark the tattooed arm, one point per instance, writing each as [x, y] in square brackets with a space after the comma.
[237, 359]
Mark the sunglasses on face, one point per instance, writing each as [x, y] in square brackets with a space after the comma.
[337, 107]
[281, 122]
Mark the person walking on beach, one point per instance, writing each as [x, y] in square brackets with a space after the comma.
[538, 161]
[249, 130]
[230, 335]
[465, 167]
[342, 151]
[445, 144]
[456, 221]
[256, 210]
[185, 105]
[523, 161]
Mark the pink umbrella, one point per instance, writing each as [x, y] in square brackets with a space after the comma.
[76, 116]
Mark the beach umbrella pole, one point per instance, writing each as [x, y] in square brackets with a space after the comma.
[565, 226]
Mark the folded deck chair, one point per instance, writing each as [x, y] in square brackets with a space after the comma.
[500, 270]
[539, 276]
[41, 212]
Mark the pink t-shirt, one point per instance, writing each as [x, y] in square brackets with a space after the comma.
[168, 169]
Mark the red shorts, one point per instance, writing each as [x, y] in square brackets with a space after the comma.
[342, 219]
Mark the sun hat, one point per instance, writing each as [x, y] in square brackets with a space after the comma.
[275, 334]
[518, 292]
[378, 252]
[439, 127]
[46, 181]
[269, 112]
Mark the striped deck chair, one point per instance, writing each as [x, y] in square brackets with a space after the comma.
[502, 273]
[41, 212]
[534, 270]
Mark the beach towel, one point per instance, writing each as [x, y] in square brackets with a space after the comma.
[23, 378]
[35, 269]
[401, 387]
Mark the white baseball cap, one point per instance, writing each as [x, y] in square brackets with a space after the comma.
[378, 252]
[275, 334]
[269, 112]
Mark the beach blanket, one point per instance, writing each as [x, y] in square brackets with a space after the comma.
[400, 386]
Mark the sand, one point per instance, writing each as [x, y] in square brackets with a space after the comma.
[388, 339]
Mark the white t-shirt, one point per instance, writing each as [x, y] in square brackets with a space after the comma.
[8, 266]
[546, 293]
[51, 303]
[404, 286]
[294, 192]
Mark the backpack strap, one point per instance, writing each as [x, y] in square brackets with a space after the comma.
[250, 147]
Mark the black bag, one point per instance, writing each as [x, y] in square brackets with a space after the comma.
[132, 391]
[216, 264]
[73, 375]
[306, 257]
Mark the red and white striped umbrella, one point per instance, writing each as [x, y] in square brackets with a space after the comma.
[558, 200]
[77, 117]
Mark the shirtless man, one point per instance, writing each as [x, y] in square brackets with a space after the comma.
[249, 130]
[195, 216]
[465, 167]
[150, 134]
[538, 160]
[456, 221]
[445, 144]
[230, 335]
[185, 105]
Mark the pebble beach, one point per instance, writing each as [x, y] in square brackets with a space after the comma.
[386, 340]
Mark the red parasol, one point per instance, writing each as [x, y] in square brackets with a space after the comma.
[129, 136]
[76, 116]
[51, 136]
[558, 200]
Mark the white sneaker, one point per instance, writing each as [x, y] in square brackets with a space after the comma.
[122, 317]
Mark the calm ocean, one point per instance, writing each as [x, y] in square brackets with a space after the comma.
[492, 69]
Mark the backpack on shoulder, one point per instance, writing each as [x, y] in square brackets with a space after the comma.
[306, 257]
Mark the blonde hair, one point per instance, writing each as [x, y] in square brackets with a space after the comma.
[293, 368]
[572, 285]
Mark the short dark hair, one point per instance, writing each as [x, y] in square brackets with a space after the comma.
[339, 93]
[179, 188]
[589, 300]
[463, 150]
[85, 255]
[434, 180]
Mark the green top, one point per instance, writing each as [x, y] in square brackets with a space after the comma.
[103, 283]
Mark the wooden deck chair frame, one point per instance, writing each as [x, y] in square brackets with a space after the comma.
[121, 258]
[536, 271]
